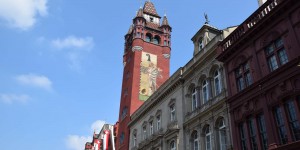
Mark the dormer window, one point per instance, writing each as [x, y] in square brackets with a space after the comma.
[200, 44]
[151, 19]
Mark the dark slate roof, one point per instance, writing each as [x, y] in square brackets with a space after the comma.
[140, 13]
[165, 21]
[150, 9]
[153, 25]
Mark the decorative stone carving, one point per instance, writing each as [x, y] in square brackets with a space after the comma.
[137, 48]
[167, 56]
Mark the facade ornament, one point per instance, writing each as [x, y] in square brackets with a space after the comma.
[137, 48]
[167, 56]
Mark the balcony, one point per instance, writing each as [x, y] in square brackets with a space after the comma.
[249, 23]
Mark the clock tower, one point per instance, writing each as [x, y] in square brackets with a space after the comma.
[146, 63]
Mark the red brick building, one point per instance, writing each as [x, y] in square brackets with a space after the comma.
[262, 62]
[146, 62]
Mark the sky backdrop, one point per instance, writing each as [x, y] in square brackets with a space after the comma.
[61, 62]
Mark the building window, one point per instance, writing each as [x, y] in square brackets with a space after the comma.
[205, 91]
[252, 131]
[276, 54]
[158, 122]
[151, 19]
[144, 132]
[207, 138]
[293, 120]
[124, 112]
[200, 44]
[134, 140]
[151, 127]
[172, 145]
[217, 82]
[194, 99]
[148, 37]
[222, 134]
[195, 140]
[243, 136]
[156, 40]
[122, 136]
[243, 76]
[172, 112]
[138, 35]
[262, 131]
[280, 125]
[165, 43]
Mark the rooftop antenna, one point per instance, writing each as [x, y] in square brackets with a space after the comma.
[206, 18]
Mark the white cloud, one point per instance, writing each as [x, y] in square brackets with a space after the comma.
[74, 48]
[12, 98]
[22, 13]
[97, 126]
[77, 142]
[35, 81]
[74, 42]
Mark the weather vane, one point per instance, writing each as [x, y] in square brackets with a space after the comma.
[206, 18]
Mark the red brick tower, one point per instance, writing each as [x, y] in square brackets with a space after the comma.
[146, 62]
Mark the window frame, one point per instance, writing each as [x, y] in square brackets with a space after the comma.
[172, 145]
[205, 91]
[194, 99]
[208, 141]
[222, 129]
[218, 89]
[243, 76]
[172, 112]
[274, 57]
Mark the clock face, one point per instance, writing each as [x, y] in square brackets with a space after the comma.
[149, 75]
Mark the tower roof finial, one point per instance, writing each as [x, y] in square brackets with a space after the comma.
[206, 18]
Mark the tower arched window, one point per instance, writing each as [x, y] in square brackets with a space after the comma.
[222, 134]
[148, 37]
[205, 91]
[207, 138]
[195, 140]
[156, 40]
[217, 82]
[194, 99]
[200, 44]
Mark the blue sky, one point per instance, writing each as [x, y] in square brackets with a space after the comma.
[61, 62]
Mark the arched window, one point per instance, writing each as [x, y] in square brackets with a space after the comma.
[195, 140]
[144, 131]
[207, 138]
[222, 134]
[148, 37]
[194, 99]
[200, 44]
[156, 40]
[217, 82]
[134, 139]
[205, 91]
[172, 112]
[172, 145]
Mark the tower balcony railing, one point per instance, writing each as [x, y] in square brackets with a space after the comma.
[249, 23]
